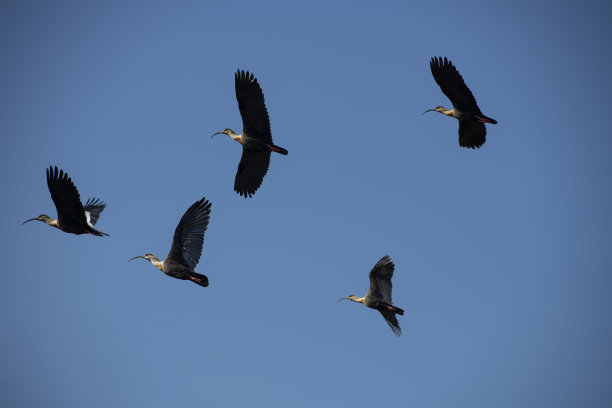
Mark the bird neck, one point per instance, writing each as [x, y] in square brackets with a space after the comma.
[358, 299]
[157, 263]
[449, 112]
[51, 222]
[236, 137]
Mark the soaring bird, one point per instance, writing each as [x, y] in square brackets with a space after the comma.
[472, 131]
[72, 216]
[256, 137]
[379, 295]
[186, 246]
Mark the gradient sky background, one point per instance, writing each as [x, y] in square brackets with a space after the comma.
[502, 254]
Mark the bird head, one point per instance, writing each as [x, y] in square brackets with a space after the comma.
[436, 109]
[42, 217]
[227, 131]
[148, 257]
[351, 297]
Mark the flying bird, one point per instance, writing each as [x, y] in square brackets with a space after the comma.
[256, 137]
[379, 295]
[186, 246]
[472, 131]
[72, 216]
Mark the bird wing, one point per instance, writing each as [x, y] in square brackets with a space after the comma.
[93, 207]
[453, 86]
[255, 120]
[380, 280]
[189, 234]
[472, 134]
[252, 168]
[392, 321]
[66, 197]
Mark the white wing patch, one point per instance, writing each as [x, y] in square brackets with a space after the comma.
[88, 217]
[93, 207]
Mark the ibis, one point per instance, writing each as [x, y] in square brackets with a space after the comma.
[256, 137]
[472, 131]
[186, 246]
[72, 216]
[379, 295]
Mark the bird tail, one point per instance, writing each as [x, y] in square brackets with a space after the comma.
[201, 280]
[395, 309]
[487, 119]
[277, 149]
[97, 233]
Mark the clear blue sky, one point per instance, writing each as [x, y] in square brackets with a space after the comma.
[502, 254]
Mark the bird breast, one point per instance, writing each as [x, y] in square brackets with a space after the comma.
[237, 138]
[159, 265]
[175, 269]
[371, 303]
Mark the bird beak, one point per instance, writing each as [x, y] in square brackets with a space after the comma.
[140, 256]
[341, 299]
[31, 219]
[218, 133]
[428, 110]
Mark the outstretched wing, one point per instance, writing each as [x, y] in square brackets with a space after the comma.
[252, 168]
[93, 207]
[66, 198]
[472, 134]
[392, 321]
[252, 105]
[189, 234]
[453, 86]
[380, 281]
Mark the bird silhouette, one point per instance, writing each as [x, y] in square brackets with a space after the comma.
[72, 216]
[186, 246]
[472, 131]
[379, 294]
[256, 137]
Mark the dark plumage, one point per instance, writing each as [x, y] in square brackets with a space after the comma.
[186, 246]
[256, 137]
[72, 217]
[379, 294]
[472, 131]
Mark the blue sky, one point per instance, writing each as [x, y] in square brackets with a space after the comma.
[502, 254]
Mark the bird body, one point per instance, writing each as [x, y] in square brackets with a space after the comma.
[256, 137]
[72, 216]
[176, 269]
[472, 131]
[253, 144]
[379, 294]
[186, 246]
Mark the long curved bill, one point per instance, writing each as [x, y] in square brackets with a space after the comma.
[139, 256]
[31, 219]
[341, 299]
[218, 133]
[428, 110]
